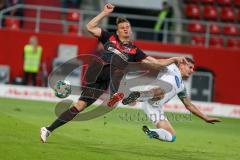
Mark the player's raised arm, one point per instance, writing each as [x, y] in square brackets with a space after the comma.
[92, 26]
[192, 108]
[158, 63]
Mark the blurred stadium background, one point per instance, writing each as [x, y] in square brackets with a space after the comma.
[206, 30]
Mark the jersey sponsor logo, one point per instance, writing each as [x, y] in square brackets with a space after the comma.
[124, 49]
[177, 81]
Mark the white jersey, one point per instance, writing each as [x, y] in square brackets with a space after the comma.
[171, 76]
[170, 80]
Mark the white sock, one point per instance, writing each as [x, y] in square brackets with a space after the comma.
[164, 135]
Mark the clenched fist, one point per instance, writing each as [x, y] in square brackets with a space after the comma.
[108, 8]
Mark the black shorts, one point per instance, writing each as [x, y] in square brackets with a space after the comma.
[98, 79]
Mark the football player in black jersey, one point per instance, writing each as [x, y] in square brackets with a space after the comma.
[119, 51]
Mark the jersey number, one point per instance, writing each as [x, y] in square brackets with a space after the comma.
[177, 81]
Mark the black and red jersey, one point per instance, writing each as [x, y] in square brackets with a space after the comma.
[113, 46]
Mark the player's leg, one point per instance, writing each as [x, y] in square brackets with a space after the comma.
[153, 94]
[65, 117]
[84, 101]
[158, 94]
[166, 125]
[164, 130]
[68, 115]
[89, 95]
[116, 77]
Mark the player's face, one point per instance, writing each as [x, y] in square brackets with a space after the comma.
[186, 70]
[124, 30]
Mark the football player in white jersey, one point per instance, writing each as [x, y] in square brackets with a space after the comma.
[154, 97]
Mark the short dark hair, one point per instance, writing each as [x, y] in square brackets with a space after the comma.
[190, 60]
[121, 20]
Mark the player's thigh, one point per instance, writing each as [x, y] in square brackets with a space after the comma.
[143, 88]
[165, 124]
[155, 114]
[92, 92]
[158, 117]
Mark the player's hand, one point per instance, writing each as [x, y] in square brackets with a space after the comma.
[180, 60]
[212, 120]
[108, 8]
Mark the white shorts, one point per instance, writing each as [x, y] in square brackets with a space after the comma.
[154, 109]
[154, 113]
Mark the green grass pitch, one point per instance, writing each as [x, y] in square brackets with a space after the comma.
[114, 137]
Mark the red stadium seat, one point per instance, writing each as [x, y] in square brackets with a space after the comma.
[198, 40]
[224, 2]
[191, 1]
[73, 16]
[73, 29]
[236, 3]
[207, 1]
[12, 23]
[233, 43]
[196, 27]
[210, 13]
[216, 42]
[231, 30]
[215, 29]
[227, 14]
[193, 11]
[238, 15]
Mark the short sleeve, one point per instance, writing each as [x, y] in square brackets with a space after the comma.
[182, 94]
[105, 35]
[140, 55]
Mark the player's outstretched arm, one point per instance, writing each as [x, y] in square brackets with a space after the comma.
[192, 108]
[154, 63]
[92, 26]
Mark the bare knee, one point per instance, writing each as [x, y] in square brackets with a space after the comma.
[158, 94]
[167, 126]
[80, 105]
